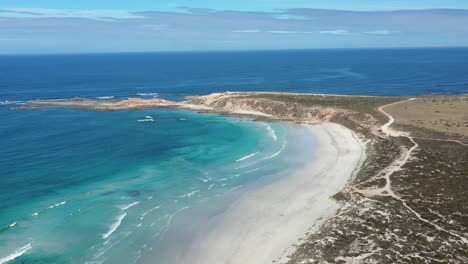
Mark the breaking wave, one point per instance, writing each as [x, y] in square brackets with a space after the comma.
[105, 97]
[125, 207]
[247, 157]
[148, 94]
[18, 252]
[271, 132]
[114, 225]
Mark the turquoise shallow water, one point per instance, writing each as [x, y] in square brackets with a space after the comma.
[102, 187]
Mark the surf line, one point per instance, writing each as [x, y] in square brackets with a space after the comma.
[247, 157]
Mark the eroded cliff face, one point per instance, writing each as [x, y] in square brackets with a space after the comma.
[249, 104]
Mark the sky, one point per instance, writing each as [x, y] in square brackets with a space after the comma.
[89, 26]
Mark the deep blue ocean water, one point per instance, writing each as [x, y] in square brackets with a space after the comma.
[100, 187]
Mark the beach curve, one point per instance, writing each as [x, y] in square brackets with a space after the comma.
[262, 226]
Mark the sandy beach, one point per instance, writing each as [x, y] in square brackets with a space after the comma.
[262, 226]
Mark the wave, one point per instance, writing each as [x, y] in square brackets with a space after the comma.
[271, 132]
[146, 120]
[245, 166]
[190, 194]
[18, 252]
[114, 225]
[148, 94]
[125, 207]
[256, 169]
[149, 211]
[4, 228]
[235, 188]
[57, 204]
[169, 221]
[276, 153]
[102, 252]
[246, 157]
[6, 102]
[106, 97]
[205, 179]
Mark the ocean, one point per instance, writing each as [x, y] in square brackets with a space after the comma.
[127, 186]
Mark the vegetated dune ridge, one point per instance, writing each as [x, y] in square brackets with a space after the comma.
[407, 203]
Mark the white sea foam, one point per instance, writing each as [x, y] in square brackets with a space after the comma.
[190, 194]
[57, 204]
[18, 252]
[247, 157]
[271, 132]
[276, 153]
[148, 117]
[102, 252]
[235, 188]
[244, 166]
[148, 94]
[149, 211]
[105, 97]
[256, 169]
[146, 120]
[114, 225]
[125, 207]
[6, 102]
[13, 224]
[169, 221]
[205, 179]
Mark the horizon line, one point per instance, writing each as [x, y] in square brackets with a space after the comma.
[228, 51]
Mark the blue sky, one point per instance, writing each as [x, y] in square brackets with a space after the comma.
[240, 5]
[65, 26]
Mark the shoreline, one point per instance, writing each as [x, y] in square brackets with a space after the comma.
[280, 213]
[390, 183]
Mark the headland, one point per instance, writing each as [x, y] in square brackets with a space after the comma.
[406, 203]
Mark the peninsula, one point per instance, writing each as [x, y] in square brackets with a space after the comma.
[407, 201]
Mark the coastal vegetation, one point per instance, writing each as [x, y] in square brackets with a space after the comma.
[422, 217]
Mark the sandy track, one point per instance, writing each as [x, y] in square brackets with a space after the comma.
[396, 166]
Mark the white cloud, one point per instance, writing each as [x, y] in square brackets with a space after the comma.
[98, 14]
[335, 32]
[247, 31]
[379, 32]
[289, 16]
[282, 32]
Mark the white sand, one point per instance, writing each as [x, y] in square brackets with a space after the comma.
[264, 224]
